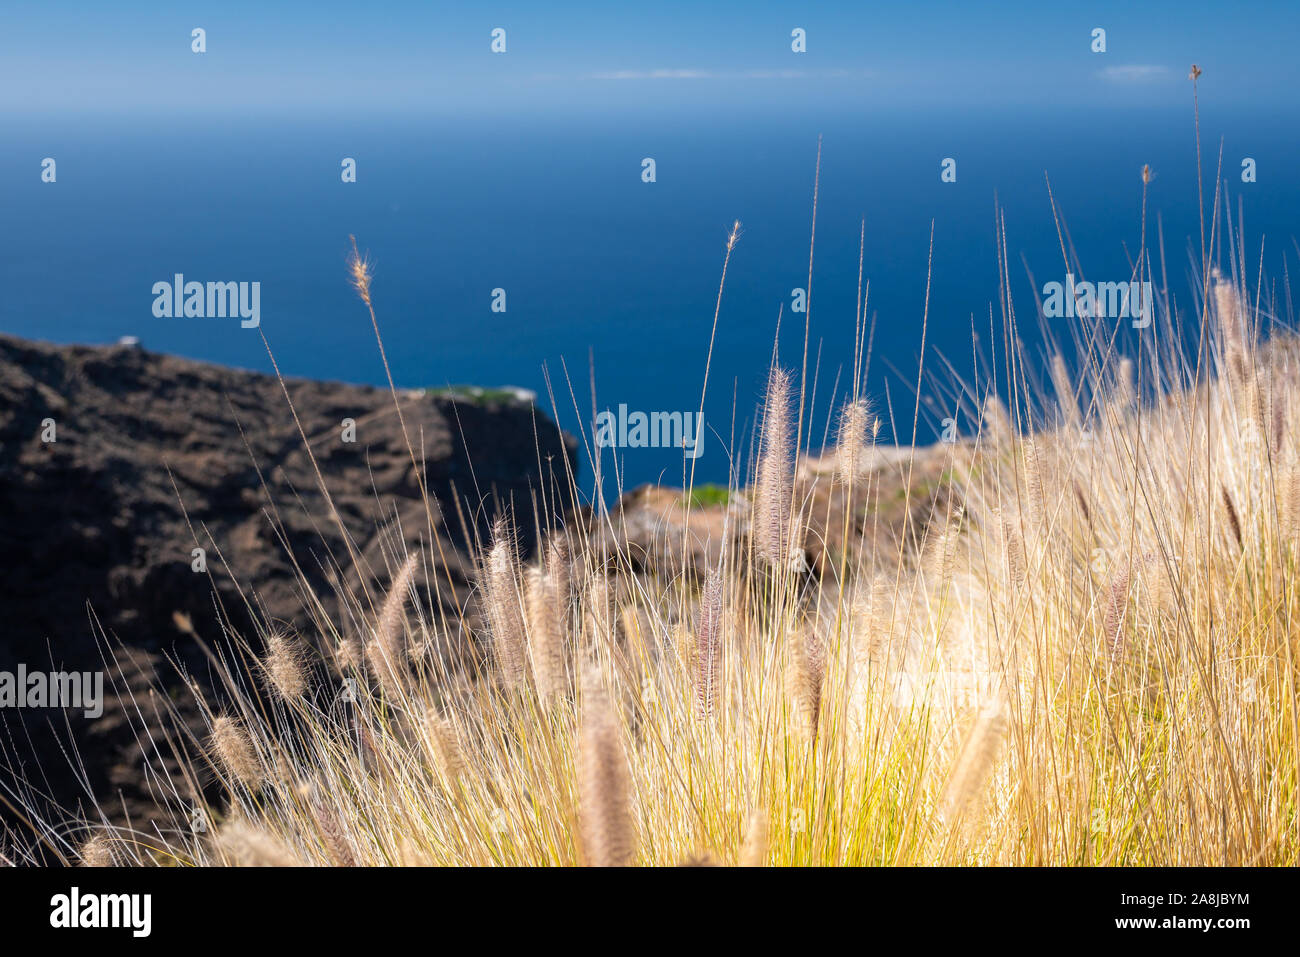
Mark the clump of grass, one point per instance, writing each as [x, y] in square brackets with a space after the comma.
[708, 647]
[546, 628]
[502, 600]
[285, 665]
[975, 760]
[234, 750]
[444, 744]
[856, 433]
[773, 495]
[98, 851]
[242, 844]
[604, 783]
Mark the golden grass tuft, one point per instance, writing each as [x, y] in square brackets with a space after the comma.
[234, 751]
[773, 493]
[504, 606]
[604, 784]
[285, 664]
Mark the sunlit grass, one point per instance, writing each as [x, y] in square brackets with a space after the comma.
[1084, 656]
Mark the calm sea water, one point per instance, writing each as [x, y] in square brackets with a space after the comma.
[600, 269]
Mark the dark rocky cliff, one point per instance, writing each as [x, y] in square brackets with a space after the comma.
[155, 456]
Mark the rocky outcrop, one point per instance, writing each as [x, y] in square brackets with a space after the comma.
[116, 464]
[896, 495]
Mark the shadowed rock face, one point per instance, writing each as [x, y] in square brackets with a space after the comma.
[156, 456]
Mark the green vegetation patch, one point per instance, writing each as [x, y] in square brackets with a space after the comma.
[708, 495]
[477, 395]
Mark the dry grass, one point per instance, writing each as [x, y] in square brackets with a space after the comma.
[1089, 660]
[1091, 663]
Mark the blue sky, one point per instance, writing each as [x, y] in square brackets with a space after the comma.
[327, 56]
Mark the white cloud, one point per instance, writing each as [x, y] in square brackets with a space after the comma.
[654, 75]
[1133, 73]
[773, 75]
[727, 75]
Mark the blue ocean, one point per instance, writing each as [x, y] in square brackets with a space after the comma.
[605, 276]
